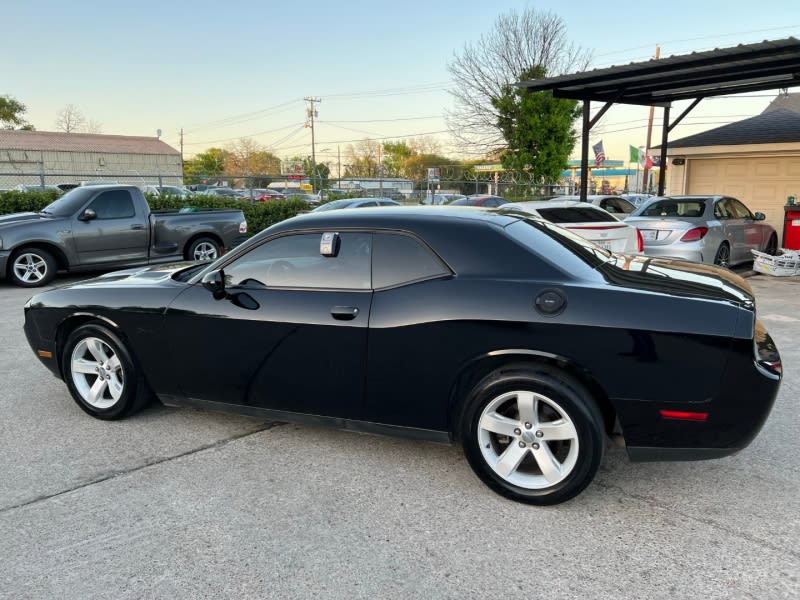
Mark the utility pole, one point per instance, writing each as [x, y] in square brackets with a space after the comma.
[646, 176]
[182, 154]
[312, 113]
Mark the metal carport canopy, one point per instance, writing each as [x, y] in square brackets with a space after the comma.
[744, 68]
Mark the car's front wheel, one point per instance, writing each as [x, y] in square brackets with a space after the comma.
[533, 434]
[32, 267]
[100, 373]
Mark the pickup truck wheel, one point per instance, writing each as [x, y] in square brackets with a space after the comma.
[31, 267]
[203, 249]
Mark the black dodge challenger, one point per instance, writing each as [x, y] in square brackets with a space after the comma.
[524, 343]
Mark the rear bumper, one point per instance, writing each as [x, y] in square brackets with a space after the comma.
[674, 251]
[734, 415]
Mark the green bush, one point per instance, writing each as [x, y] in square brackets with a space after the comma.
[14, 201]
[259, 215]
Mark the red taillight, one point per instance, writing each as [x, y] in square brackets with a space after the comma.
[639, 241]
[683, 415]
[694, 234]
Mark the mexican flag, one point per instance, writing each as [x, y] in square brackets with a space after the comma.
[639, 156]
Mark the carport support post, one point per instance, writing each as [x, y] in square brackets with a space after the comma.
[662, 169]
[585, 151]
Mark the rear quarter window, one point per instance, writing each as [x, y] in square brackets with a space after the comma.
[399, 259]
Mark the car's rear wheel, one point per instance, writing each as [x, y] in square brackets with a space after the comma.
[32, 267]
[772, 245]
[101, 374]
[533, 434]
[723, 256]
[203, 249]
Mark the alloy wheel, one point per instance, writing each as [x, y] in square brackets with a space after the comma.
[97, 373]
[204, 251]
[528, 439]
[30, 267]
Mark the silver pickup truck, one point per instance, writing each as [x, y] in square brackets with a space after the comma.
[109, 226]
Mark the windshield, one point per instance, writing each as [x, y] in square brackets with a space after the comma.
[69, 203]
[333, 205]
[671, 207]
[579, 247]
[576, 214]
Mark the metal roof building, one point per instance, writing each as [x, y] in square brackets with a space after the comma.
[34, 157]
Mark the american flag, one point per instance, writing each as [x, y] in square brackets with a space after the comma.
[599, 155]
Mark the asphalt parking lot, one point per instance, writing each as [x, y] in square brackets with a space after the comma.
[178, 503]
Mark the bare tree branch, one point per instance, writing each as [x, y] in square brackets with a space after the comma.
[517, 43]
[70, 119]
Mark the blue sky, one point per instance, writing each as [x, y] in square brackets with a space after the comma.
[222, 71]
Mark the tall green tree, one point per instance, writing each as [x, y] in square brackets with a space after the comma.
[11, 114]
[319, 173]
[205, 165]
[537, 127]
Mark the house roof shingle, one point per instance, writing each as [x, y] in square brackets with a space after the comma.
[770, 127]
[785, 102]
[82, 142]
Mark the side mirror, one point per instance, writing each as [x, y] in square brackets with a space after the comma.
[88, 215]
[759, 216]
[214, 282]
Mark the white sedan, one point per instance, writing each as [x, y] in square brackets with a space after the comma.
[588, 221]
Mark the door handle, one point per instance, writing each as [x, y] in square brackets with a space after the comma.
[344, 313]
[137, 226]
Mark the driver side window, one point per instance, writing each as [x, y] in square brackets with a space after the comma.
[295, 261]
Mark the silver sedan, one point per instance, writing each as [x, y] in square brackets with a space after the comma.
[710, 229]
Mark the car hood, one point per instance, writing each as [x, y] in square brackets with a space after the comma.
[678, 277]
[22, 217]
[136, 277]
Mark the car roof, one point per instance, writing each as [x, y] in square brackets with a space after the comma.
[536, 204]
[397, 217]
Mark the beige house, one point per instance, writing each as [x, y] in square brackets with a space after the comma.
[756, 160]
[29, 157]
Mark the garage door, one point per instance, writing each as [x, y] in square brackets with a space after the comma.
[763, 184]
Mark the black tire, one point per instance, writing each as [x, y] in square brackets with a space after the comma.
[203, 249]
[101, 374]
[570, 462]
[31, 267]
[772, 245]
[723, 256]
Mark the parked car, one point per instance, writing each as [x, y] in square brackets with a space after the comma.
[165, 190]
[355, 203]
[109, 226]
[637, 199]
[265, 195]
[616, 205]
[530, 344]
[222, 191]
[441, 199]
[716, 230]
[25, 187]
[588, 221]
[485, 200]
